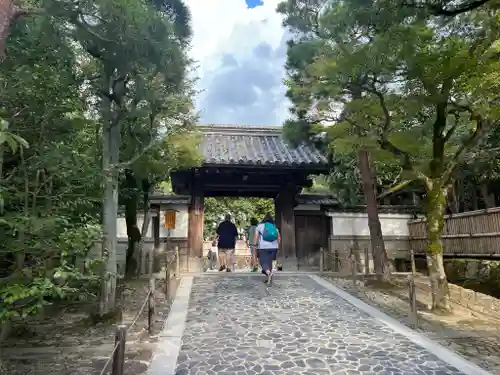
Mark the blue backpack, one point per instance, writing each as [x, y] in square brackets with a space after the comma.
[270, 232]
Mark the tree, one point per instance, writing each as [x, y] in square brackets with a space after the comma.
[85, 84]
[136, 71]
[310, 118]
[426, 93]
[177, 150]
[49, 182]
[449, 8]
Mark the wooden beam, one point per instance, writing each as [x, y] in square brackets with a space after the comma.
[285, 204]
[196, 218]
[241, 194]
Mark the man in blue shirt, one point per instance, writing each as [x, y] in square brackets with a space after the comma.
[227, 234]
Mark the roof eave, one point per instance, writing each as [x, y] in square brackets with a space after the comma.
[313, 168]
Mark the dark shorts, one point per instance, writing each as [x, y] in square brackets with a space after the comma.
[266, 257]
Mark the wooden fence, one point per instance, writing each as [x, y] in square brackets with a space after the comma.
[473, 233]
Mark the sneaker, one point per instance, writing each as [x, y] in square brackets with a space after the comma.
[269, 277]
[255, 269]
[222, 268]
[228, 270]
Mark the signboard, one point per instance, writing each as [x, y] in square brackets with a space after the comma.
[169, 219]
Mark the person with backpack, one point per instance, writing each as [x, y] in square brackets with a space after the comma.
[267, 238]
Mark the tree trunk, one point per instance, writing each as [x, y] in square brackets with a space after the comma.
[131, 201]
[110, 157]
[380, 259]
[8, 12]
[452, 200]
[488, 199]
[436, 204]
[475, 204]
[145, 225]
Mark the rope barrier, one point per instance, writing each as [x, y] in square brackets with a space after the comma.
[412, 299]
[121, 336]
[103, 371]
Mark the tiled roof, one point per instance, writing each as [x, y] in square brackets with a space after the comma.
[255, 146]
[327, 200]
[169, 199]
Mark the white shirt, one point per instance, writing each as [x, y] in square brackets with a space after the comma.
[265, 244]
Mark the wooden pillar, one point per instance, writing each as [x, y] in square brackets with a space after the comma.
[277, 214]
[196, 216]
[285, 206]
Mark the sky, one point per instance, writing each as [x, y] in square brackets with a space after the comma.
[240, 50]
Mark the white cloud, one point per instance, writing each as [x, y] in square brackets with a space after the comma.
[241, 55]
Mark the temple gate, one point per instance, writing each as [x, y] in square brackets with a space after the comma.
[246, 161]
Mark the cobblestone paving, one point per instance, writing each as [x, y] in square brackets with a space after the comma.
[238, 326]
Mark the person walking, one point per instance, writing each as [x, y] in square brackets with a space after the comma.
[227, 234]
[252, 244]
[268, 239]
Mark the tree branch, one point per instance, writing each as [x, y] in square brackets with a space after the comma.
[442, 10]
[131, 161]
[482, 127]
[384, 141]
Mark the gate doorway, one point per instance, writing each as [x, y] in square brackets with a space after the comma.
[246, 161]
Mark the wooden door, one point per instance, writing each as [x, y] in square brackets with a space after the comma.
[311, 233]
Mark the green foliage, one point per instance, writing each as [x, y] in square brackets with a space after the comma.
[418, 91]
[51, 90]
[241, 210]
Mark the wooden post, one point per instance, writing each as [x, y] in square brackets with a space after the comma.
[412, 297]
[167, 281]
[321, 260]
[367, 261]
[277, 216]
[151, 305]
[119, 354]
[177, 262]
[336, 260]
[412, 260]
[285, 204]
[354, 272]
[195, 225]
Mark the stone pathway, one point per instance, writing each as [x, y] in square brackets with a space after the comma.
[236, 325]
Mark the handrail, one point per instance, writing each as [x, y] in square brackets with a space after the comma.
[117, 356]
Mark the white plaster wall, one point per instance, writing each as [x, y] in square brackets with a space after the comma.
[356, 224]
[181, 225]
[181, 221]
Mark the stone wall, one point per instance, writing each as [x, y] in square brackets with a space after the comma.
[470, 280]
[475, 301]
[472, 269]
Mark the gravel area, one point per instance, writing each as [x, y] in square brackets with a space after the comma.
[474, 336]
[68, 343]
